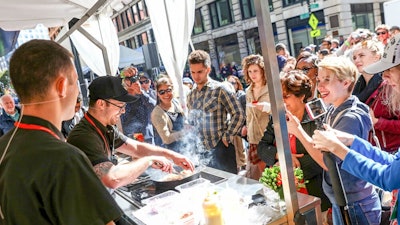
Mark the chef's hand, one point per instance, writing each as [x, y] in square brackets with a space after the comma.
[183, 162]
[162, 163]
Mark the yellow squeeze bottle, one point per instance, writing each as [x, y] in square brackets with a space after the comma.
[212, 211]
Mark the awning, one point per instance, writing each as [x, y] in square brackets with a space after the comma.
[128, 56]
[26, 14]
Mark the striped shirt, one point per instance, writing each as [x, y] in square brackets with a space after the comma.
[208, 112]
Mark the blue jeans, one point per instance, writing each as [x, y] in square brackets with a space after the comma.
[363, 212]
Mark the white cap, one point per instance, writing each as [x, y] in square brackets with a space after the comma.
[390, 57]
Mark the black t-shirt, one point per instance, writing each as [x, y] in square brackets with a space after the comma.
[86, 137]
[44, 180]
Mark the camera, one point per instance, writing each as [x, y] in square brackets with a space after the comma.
[132, 79]
[315, 108]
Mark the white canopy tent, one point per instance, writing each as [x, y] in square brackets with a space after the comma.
[128, 56]
[174, 20]
[26, 14]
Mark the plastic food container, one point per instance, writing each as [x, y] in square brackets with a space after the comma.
[199, 183]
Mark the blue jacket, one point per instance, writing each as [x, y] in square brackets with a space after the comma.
[352, 117]
[6, 122]
[373, 165]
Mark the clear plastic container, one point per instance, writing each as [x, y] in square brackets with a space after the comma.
[162, 201]
[194, 184]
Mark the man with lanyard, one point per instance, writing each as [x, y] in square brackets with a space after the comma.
[209, 104]
[97, 136]
[44, 180]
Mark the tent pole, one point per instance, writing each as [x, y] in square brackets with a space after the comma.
[277, 107]
[99, 45]
[82, 20]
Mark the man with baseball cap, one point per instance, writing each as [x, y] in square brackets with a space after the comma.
[97, 136]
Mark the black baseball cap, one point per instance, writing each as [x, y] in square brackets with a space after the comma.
[109, 87]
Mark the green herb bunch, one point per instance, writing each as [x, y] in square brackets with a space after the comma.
[271, 177]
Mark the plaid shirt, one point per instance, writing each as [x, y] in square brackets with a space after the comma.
[208, 112]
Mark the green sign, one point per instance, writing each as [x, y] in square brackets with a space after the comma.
[304, 16]
[315, 33]
[313, 21]
[314, 5]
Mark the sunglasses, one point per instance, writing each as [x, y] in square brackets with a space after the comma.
[121, 108]
[381, 33]
[233, 83]
[162, 92]
[144, 81]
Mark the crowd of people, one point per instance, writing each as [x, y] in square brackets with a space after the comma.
[225, 125]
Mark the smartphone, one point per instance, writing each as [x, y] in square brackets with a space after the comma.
[315, 108]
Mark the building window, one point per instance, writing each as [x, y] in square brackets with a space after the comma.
[144, 38]
[334, 21]
[247, 7]
[119, 23]
[142, 10]
[124, 20]
[362, 16]
[152, 38]
[129, 15]
[290, 2]
[198, 22]
[115, 22]
[135, 13]
[220, 13]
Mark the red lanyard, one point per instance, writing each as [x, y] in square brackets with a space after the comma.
[36, 127]
[97, 129]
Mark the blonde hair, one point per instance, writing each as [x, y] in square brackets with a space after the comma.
[342, 67]
[374, 46]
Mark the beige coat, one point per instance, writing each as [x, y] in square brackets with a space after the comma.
[163, 124]
[256, 120]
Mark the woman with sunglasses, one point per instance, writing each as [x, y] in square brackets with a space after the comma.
[168, 117]
[307, 62]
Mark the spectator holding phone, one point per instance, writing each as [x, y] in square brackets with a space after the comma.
[296, 89]
[336, 79]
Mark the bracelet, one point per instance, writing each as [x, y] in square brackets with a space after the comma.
[347, 43]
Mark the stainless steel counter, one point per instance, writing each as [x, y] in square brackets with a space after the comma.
[244, 186]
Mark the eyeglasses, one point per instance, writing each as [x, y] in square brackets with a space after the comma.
[162, 92]
[381, 33]
[121, 108]
[306, 69]
[144, 81]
